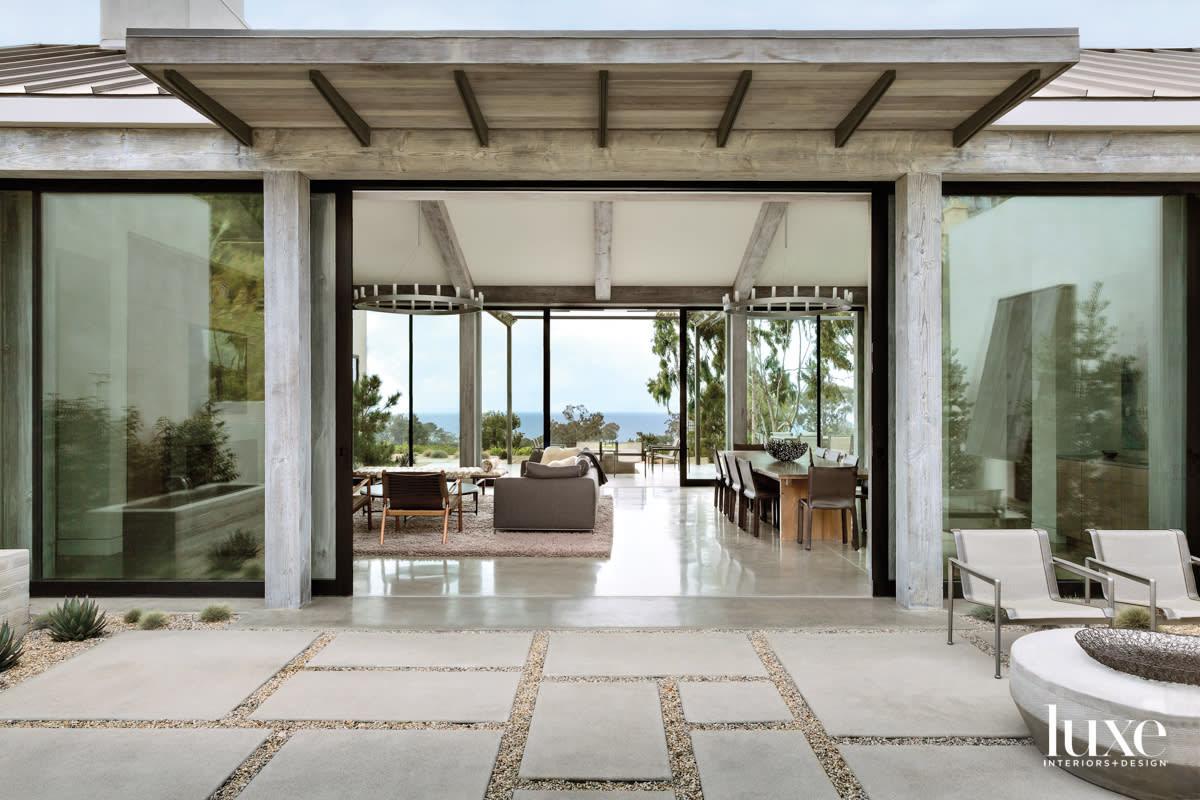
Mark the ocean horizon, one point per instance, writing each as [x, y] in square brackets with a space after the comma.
[630, 422]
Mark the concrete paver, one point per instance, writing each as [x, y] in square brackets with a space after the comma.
[425, 650]
[759, 765]
[399, 765]
[394, 696]
[156, 675]
[646, 654]
[120, 764]
[898, 684]
[584, 794]
[719, 701]
[595, 731]
[932, 772]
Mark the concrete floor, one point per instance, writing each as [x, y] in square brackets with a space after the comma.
[668, 542]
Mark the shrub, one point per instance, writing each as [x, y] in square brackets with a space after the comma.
[439, 454]
[1136, 618]
[75, 620]
[216, 613]
[153, 621]
[10, 648]
[40, 622]
[253, 571]
[237, 548]
[133, 615]
[985, 613]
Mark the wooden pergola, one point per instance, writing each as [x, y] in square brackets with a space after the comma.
[607, 82]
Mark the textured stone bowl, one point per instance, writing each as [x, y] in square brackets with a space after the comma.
[786, 449]
[1050, 668]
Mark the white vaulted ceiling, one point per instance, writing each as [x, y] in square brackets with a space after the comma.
[547, 239]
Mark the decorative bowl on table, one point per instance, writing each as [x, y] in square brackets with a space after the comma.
[786, 449]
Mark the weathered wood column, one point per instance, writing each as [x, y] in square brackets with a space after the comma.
[470, 396]
[288, 376]
[735, 379]
[917, 364]
[16, 370]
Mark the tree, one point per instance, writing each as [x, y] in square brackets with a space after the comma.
[494, 430]
[582, 426]
[962, 468]
[706, 362]
[372, 416]
[1096, 395]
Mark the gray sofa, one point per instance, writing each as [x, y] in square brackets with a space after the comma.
[547, 499]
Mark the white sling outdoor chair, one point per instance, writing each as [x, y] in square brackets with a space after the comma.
[1019, 563]
[1149, 568]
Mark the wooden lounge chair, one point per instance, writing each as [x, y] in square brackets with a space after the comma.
[1149, 568]
[1018, 561]
[420, 494]
[362, 498]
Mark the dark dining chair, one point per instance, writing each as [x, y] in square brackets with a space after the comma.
[733, 495]
[830, 488]
[719, 486]
[758, 489]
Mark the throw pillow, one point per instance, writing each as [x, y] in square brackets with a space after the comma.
[557, 453]
[535, 455]
[569, 461]
[547, 471]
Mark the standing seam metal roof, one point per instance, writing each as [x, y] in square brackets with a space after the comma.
[1100, 74]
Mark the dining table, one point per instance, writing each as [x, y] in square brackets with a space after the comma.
[792, 477]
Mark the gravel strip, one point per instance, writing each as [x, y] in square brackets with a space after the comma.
[512, 745]
[822, 744]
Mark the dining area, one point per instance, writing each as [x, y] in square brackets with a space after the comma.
[820, 494]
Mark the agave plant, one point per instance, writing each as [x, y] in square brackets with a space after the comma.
[75, 620]
[10, 648]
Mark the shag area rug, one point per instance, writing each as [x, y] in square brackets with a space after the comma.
[421, 537]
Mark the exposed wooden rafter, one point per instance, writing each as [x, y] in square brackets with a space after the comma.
[437, 216]
[849, 125]
[542, 296]
[468, 98]
[340, 106]
[765, 227]
[733, 106]
[995, 107]
[602, 223]
[209, 107]
[603, 123]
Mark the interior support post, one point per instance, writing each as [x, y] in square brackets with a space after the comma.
[917, 358]
[470, 373]
[288, 403]
[735, 379]
[16, 370]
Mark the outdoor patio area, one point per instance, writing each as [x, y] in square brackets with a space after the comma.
[555, 714]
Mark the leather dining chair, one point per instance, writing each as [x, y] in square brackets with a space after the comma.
[829, 488]
[733, 496]
[721, 484]
[757, 489]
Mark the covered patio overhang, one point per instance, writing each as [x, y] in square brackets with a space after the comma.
[485, 84]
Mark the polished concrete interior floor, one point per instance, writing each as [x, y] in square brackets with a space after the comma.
[668, 542]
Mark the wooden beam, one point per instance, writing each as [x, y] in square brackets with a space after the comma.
[210, 108]
[765, 227]
[995, 107]
[542, 296]
[468, 98]
[603, 125]
[732, 107]
[356, 124]
[437, 216]
[849, 125]
[602, 225]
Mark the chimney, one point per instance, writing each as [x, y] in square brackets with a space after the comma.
[118, 15]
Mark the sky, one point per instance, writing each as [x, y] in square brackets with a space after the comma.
[1101, 23]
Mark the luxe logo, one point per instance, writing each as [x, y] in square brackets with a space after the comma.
[1144, 741]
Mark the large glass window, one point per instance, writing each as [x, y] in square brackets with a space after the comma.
[522, 378]
[1063, 364]
[705, 368]
[152, 375]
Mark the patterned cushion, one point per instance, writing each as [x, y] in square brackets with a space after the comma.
[1157, 656]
